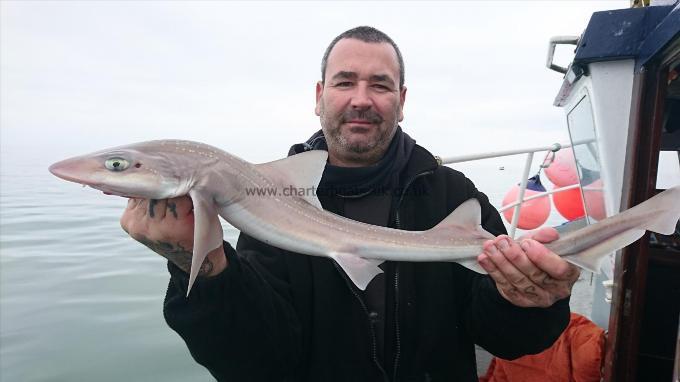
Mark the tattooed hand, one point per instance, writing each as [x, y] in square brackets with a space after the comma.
[527, 273]
[167, 228]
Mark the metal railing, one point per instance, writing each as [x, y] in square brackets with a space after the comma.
[517, 205]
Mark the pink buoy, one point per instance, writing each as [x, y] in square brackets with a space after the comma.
[562, 170]
[569, 203]
[532, 213]
[594, 199]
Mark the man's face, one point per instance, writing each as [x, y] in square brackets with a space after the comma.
[360, 103]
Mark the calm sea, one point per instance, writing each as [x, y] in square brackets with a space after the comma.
[80, 300]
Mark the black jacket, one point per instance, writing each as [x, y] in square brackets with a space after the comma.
[273, 315]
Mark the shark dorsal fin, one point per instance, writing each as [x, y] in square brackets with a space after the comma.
[468, 215]
[302, 172]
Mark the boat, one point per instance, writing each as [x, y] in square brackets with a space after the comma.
[621, 93]
[621, 99]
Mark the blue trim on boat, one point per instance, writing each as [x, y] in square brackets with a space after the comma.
[637, 33]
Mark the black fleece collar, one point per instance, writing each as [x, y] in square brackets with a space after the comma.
[417, 160]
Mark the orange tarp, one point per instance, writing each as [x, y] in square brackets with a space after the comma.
[576, 356]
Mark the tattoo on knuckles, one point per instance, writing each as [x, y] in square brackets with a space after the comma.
[152, 204]
[513, 291]
[548, 281]
[536, 275]
[501, 282]
[531, 291]
[173, 208]
[521, 280]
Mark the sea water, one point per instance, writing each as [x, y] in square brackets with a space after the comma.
[80, 300]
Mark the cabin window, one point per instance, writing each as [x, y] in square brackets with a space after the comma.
[582, 131]
[668, 172]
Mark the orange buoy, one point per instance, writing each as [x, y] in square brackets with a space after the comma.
[594, 199]
[532, 213]
[561, 170]
[569, 203]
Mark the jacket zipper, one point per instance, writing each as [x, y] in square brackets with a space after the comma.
[370, 322]
[397, 334]
[397, 224]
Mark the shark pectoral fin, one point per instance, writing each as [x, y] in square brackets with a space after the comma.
[207, 233]
[591, 258]
[361, 271]
[302, 172]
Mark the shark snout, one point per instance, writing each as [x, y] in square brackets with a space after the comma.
[72, 170]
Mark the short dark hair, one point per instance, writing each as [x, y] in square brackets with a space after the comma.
[365, 34]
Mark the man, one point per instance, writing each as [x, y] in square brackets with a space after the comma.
[261, 313]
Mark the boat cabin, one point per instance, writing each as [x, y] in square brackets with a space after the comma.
[621, 98]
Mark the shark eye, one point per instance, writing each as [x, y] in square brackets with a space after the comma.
[116, 164]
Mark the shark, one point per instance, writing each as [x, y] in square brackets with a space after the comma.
[274, 202]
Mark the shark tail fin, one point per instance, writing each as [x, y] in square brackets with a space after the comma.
[591, 258]
[667, 205]
[658, 214]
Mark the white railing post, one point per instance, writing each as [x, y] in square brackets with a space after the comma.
[527, 167]
[520, 196]
[495, 154]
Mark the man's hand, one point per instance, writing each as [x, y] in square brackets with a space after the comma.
[527, 273]
[167, 228]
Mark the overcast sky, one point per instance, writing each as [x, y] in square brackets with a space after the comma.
[81, 76]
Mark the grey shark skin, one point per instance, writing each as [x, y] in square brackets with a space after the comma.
[272, 202]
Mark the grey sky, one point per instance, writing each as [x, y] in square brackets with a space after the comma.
[86, 75]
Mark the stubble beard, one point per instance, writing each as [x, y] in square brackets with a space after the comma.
[370, 151]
